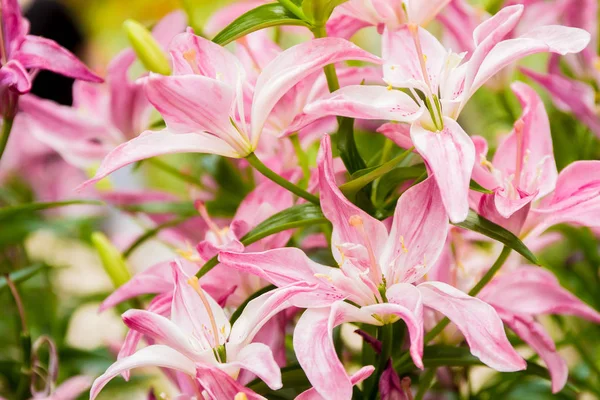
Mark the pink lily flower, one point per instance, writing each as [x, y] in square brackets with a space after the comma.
[528, 292]
[22, 54]
[355, 379]
[519, 293]
[70, 389]
[414, 59]
[199, 341]
[219, 124]
[102, 116]
[378, 269]
[523, 168]
[350, 17]
[266, 200]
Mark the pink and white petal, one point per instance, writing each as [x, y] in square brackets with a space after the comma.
[189, 311]
[258, 359]
[402, 68]
[36, 52]
[534, 334]
[412, 317]
[164, 331]
[552, 38]
[193, 54]
[344, 26]
[479, 323]
[193, 103]
[419, 229]
[226, 15]
[15, 77]
[261, 309]
[156, 143]
[72, 388]
[219, 385]
[169, 26]
[422, 12]
[151, 356]
[486, 36]
[355, 379]
[481, 174]
[576, 199]
[287, 266]
[371, 233]
[535, 291]
[530, 141]
[450, 154]
[570, 95]
[519, 210]
[398, 133]
[293, 65]
[15, 27]
[366, 102]
[313, 344]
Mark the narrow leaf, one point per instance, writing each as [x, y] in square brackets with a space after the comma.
[477, 223]
[9, 212]
[262, 17]
[22, 275]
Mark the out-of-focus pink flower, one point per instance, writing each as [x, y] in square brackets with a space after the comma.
[199, 341]
[70, 389]
[415, 60]
[354, 15]
[102, 116]
[377, 273]
[203, 102]
[22, 54]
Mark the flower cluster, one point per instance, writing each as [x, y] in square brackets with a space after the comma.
[327, 187]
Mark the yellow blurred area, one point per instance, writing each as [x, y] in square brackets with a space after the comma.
[102, 20]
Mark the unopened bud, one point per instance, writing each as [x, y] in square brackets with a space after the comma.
[111, 258]
[147, 48]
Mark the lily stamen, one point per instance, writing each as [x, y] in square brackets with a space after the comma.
[193, 282]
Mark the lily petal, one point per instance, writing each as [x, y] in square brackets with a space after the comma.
[219, 385]
[479, 323]
[366, 102]
[293, 65]
[13, 75]
[418, 233]
[155, 143]
[258, 359]
[313, 344]
[350, 223]
[37, 52]
[450, 154]
[358, 377]
[151, 356]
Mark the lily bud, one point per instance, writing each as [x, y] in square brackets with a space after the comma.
[147, 48]
[112, 260]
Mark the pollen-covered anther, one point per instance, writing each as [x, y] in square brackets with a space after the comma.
[355, 221]
[404, 248]
[323, 276]
[240, 396]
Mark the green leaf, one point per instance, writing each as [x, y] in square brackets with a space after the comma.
[22, 274]
[390, 181]
[347, 147]
[177, 207]
[8, 212]
[261, 17]
[478, 188]
[477, 223]
[294, 217]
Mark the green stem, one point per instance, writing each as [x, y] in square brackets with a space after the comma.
[297, 11]
[425, 383]
[278, 179]
[355, 185]
[163, 166]
[6, 129]
[386, 337]
[330, 72]
[302, 160]
[24, 338]
[432, 334]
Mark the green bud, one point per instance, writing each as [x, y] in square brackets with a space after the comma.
[112, 260]
[147, 48]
